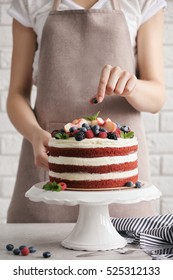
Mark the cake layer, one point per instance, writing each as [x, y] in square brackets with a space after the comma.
[97, 184]
[91, 152]
[60, 168]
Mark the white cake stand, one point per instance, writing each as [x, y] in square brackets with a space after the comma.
[93, 230]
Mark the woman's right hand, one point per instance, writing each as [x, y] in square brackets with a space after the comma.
[40, 141]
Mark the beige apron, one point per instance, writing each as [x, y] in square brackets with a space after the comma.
[75, 46]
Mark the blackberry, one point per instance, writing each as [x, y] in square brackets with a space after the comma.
[111, 135]
[79, 136]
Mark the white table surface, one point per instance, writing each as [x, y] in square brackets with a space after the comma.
[48, 237]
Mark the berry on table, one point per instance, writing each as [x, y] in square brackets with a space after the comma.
[46, 254]
[16, 251]
[25, 251]
[129, 184]
[32, 249]
[21, 247]
[9, 247]
[138, 184]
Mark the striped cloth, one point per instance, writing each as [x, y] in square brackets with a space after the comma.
[154, 234]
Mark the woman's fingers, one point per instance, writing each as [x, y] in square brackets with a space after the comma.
[114, 81]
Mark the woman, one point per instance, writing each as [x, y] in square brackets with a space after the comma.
[108, 51]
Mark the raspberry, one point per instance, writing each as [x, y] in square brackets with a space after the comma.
[62, 185]
[102, 134]
[117, 132]
[89, 134]
[25, 251]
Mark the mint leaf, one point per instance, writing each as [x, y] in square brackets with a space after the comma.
[92, 118]
[129, 134]
[61, 135]
[122, 134]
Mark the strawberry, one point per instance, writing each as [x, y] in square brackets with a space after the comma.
[62, 185]
[89, 134]
[102, 134]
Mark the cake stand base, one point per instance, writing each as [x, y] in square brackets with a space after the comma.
[94, 231]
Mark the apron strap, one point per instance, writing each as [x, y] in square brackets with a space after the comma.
[56, 4]
[116, 5]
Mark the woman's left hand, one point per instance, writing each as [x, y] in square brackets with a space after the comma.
[114, 81]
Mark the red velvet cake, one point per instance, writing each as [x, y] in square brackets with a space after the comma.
[93, 154]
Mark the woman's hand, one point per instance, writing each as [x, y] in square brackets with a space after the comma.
[40, 143]
[114, 81]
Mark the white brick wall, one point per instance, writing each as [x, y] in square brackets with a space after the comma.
[159, 127]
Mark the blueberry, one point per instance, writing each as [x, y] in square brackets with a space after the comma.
[138, 184]
[9, 247]
[72, 129]
[79, 136]
[95, 127]
[16, 251]
[111, 135]
[86, 125]
[129, 184]
[84, 129]
[102, 129]
[46, 254]
[21, 247]
[125, 128]
[32, 249]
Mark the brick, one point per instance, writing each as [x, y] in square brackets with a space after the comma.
[166, 121]
[167, 165]
[160, 143]
[169, 100]
[168, 58]
[5, 18]
[4, 204]
[164, 184]
[154, 165]
[168, 31]
[167, 205]
[11, 144]
[4, 79]
[5, 58]
[151, 122]
[8, 165]
[6, 36]
[6, 187]
[7, 126]
[168, 77]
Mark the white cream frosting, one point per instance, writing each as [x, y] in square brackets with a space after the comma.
[92, 143]
[94, 176]
[97, 161]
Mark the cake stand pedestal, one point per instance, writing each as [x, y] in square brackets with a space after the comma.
[93, 230]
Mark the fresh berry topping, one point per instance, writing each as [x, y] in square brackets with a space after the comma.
[86, 125]
[102, 134]
[129, 184]
[125, 128]
[62, 185]
[138, 185]
[16, 251]
[25, 251]
[102, 129]
[32, 249]
[95, 127]
[112, 136]
[118, 132]
[79, 136]
[46, 254]
[9, 247]
[84, 129]
[72, 129]
[89, 134]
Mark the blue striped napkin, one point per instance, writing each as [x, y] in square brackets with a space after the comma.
[154, 234]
